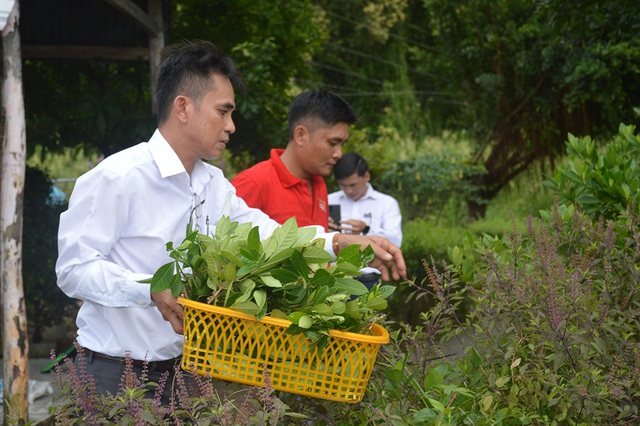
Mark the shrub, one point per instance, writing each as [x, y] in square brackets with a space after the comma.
[45, 302]
[555, 320]
[195, 402]
[600, 180]
[424, 185]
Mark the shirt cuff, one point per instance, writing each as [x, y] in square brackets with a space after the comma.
[328, 242]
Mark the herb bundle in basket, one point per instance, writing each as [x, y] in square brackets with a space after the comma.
[287, 275]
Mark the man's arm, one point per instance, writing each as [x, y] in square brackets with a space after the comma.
[87, 232]
[388, 257]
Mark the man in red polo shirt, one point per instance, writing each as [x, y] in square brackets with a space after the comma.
[291, 182]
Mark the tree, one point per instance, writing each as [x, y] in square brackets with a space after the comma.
[531, 72]
[102, 107]
[272, 43]
[15, 346]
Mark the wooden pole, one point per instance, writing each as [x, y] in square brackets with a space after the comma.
[15, 344]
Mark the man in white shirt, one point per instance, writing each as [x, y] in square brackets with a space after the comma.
[363, 210]
[123, 212]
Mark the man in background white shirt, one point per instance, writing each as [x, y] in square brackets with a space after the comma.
[363, 210]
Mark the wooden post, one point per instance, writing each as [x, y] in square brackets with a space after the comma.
[156, 44]
[15, 344]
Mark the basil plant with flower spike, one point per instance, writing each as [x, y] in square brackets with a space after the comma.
[287, 275]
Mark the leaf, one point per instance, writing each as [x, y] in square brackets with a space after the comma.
[230, 257]
[253, 240]
[516, 363]
[344, 269]
[163, 277]
[305, 322]
[278, 258]
[501, 381]
[377, 303]
[281, 239]
[247, 268]
[313, 254]
[285, 276]
[351, 286]
[339, 307]
[322, 278]
[277, 313]
[323, 309]
[250, 254]
[299, 264]
[320, 294]
[351, 255]
[247, 307]
[229, 272]
[270, 281]
[260, 296]
[304, 236]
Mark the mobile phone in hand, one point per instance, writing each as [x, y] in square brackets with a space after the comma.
[334, 212]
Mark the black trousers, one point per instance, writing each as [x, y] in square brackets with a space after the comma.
[368, 280]
[109, 373]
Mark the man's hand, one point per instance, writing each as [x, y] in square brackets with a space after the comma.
[388, 256]
[170, 309]
[352, 226]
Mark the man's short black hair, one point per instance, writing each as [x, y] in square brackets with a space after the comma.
[186, 69]
[349, 164]
[320, 105]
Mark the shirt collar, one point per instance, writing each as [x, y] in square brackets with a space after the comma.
[284, 175]
[165, 157]
[169, 163]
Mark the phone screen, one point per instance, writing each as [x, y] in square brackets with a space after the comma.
[334, 212]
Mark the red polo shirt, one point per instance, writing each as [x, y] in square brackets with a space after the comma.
[270, 187]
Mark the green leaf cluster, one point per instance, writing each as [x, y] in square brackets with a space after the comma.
[287, 275]
[601, 181]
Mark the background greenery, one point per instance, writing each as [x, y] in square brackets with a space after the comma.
[486, 120]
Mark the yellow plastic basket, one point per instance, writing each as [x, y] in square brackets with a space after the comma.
[226, 344]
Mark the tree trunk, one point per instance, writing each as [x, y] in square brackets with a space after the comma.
[15, 343]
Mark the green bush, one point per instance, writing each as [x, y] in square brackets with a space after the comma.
[424, 185]
[46, 304]
[427, 243]
[600, 180]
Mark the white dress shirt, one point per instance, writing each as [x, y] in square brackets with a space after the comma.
[121, 215]
[380, 211]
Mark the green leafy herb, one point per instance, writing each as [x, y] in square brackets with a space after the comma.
[287, 275]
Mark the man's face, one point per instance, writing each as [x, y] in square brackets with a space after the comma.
[323, 148]
[211, 122]
[354, 186]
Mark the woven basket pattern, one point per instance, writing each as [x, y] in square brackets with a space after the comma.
[229, 345]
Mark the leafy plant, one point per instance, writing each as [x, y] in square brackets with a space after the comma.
[600, 180]
[287, 275]
[195, 400]
[424, 185]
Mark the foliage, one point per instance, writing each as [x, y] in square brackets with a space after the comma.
[554, 326]
[535, 72]
[286, 275]
[272, 44]
[552, 337]
[45, 302]
[601, 181]
[424, 185]
[195, 402]
[106, 106]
